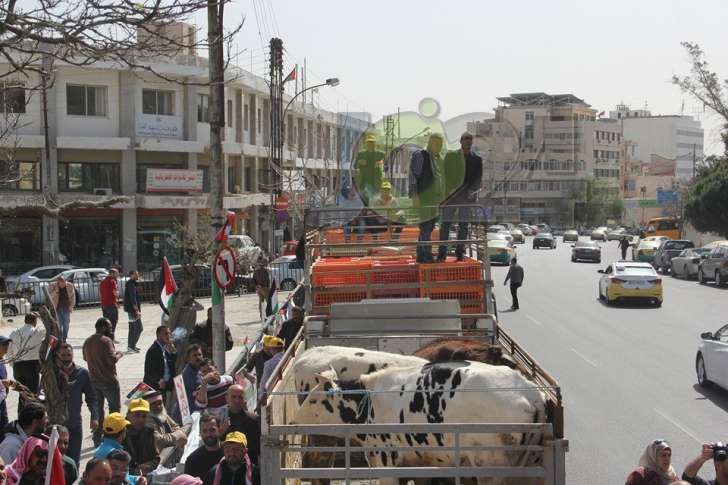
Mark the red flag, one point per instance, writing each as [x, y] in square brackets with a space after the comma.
[52, 341]
[169, 287]
[54, 467]
[291, 75]
[226, 228]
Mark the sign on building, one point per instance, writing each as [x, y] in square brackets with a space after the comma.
[158, 126]
[666, 197]
[174, 180]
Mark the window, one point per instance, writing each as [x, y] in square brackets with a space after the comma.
[13, 98]
[157, 102]
[529, 133]
[85, 177]
[20, 175]
[85, 100]
[529, 115]
[245, 118]
[203, 108]
[260, 121]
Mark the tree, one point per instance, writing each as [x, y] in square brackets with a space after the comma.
[599, 203]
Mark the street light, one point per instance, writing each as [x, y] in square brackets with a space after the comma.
[332, 81]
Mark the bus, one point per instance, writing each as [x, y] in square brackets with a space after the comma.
[664, 226]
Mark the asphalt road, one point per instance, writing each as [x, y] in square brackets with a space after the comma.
[628, 371]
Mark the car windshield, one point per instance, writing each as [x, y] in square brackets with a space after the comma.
[544, 234]
[586, 244]
[571, 231]
[678, 245]
[498, 243]
[636, 270]
[700, 251]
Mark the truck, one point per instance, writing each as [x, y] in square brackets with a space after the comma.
[370, 293]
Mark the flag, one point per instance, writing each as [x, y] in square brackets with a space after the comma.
[169, 287]
[52, 341]
[139, 390]
[271, 307]
[54, 468]
[226, 228]
[291, 75]
[216, 293]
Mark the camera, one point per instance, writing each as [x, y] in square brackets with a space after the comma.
[720, 451]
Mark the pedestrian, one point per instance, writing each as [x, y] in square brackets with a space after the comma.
[109, 295]
[139, 440]
[5, 385]
[32, 419]
[261, 280]
[79, 387]
[515, 275]
[426, 190]
[101, 356]
[97, 472]
[463, 178]
[235, 466]
[29, 466]
[159, 362]
[257, 362]
[70, 466]
[242, 420]
[655, 466]
[132, 306]
[623, 246]
[274, 346]
[63, 298]
[718, 452]
[210, 453]
[391, 216]
[191, 373]
[114, 428]
[286, 234]
[24, 352]
[350, 217]
[289, 328]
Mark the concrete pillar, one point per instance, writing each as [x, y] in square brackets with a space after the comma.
[128, 239]
[127, 128]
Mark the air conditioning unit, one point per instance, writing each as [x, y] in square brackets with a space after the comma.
[103, 191]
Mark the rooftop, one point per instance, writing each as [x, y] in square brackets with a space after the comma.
[542, 99]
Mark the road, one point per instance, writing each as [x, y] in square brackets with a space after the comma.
[627, 372]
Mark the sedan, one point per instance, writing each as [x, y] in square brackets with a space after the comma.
[616, 234]
[286, 271]
[629, 281]
[544, 240]
[506, 234]
[711, 361]
[645, 250]
[571, 236]
[85, 280]
[495, 228]
[586, 251]
[44, 273]
[525, 229]
[686, 264]
[518, 236]
[599, 235]
[500, 251]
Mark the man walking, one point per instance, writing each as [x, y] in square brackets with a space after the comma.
[132, 306]
[101, 356]
[261, 279]
[463, 177]
[159, 362]
[79, 383]
[25, 352]
[63, 298]
[426, 190]
[109, 293]
[515, 274]
[623, 246]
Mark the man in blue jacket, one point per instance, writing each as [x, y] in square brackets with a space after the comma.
[132, 306]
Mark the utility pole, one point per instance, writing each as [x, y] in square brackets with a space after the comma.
[217, 185]
[276, 132]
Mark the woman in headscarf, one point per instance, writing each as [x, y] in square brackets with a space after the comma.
[655, 466]
[29, 466]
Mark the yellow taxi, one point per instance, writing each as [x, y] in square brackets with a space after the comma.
[500, 251]
[629, 280]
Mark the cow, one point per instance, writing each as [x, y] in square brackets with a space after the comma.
[430, 393]
[448, 349]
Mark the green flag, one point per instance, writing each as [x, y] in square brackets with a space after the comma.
[216, 294]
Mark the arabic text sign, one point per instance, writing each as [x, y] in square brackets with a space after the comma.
[158, 126]
[174, 180]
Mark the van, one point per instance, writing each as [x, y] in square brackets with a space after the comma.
[664, 226]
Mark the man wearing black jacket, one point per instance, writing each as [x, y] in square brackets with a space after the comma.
[244, 421]
[159, 362]
[426, 191]
[132, 306]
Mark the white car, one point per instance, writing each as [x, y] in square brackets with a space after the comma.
[286, 271]
[506, 234]
[12, 307]
[86, 282]
[711, 361]
[628, 280]
[44, 273]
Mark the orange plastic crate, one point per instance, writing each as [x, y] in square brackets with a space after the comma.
[326, 298]
[396, 293]
[472, 308]
[452, 270]
[458, 292]
[394, 273]
[339, 272]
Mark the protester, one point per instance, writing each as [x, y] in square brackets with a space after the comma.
[718, 452]
[191, 373]
[202, 335]
[515, 274]
[257, 361]
[235, 466]
[426, 191]
[139, 440]
[79, 387]
[274, 347]
[390, 214]
[119, 461]
[159, 361]
[24, 351]
[114, 428]
[109, 295]
[289, 328]
[655, 466]
[97, 472]
[369, 169]
[133, 308]
[5, 384]
[167, 433]
[32, 419]
[200, 461]
[63, 298]
[240, 419]
[350, 215]
[212, 390]
[29, 466]
[101, 356]
[70, 467]
[261, 279]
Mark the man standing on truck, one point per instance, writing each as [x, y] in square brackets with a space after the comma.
[369, 169]
[426, 191]
[515, 274]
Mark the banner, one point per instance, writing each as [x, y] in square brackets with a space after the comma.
[174, 180]
[182, 402]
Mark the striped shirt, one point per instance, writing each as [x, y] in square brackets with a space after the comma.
[216, 394]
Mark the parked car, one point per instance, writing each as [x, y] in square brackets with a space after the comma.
[248, 251]
[570, 236]
[616, 234]
[627, 280]
[518, 236]
[599, 234]
[686, 264]
[525, 229]
[586, 251]
[667, 251]
[500, 251]
[506, 234]
[16, 283]
[86, 282]
[544, 240]
[710, 364]
[645, 250]
[495, 228]
[714, 265]
[12, 307]
[286, 271]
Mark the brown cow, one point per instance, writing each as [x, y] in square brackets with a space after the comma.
[449, 349]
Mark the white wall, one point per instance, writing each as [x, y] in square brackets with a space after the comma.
[74, 125]
[30, 122]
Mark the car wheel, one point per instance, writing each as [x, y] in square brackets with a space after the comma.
[288, 285]
[9, 310]
[658, 303]
[78, 299]
[599, 260]
[701, 371]
[719, 279]
[701, 276]
[573, 259]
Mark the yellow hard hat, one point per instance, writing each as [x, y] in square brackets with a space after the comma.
[386, 185]
[138, 405]
[114, 423]
[236, 437]
[272, 341]
[371, 137]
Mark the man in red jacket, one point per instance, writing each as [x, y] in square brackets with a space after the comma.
[109, 291]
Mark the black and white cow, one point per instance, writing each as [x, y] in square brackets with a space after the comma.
[452, 392]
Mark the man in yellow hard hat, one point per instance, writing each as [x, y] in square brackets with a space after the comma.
[114, 429]
[369, 169]
[235, 467]
[388, 212]
[139, 441]
[274, 346]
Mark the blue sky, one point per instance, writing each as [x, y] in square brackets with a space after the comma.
[390, 54]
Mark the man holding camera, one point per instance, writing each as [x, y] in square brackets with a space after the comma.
[718, 452]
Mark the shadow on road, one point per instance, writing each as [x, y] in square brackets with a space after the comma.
[636, 304]
[715, 394]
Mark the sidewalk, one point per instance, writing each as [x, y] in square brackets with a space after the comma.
[242, 317]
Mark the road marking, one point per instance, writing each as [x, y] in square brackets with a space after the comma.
[588, 361]
[679, 426]
[533, 320]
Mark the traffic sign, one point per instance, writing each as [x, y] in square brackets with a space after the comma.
[666, 197]
[224, 268]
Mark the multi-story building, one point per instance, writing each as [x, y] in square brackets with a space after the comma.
[114, 131]
[541, 149]
[675, 137]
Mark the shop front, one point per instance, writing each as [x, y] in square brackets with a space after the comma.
[157, 237]
[91, 241]
[21, 244]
